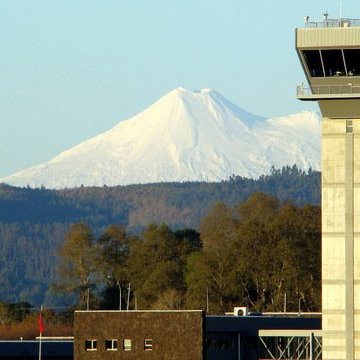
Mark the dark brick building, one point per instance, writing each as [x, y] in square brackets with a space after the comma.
[139, 335]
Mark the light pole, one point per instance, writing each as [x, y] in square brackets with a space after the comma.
[118, 284]
[207, 299]
[128, 299]
[88, 299]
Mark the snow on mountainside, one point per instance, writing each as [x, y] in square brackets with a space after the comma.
[184, 136]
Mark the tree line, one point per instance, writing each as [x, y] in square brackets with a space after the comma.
[177, 204]
[262, 253]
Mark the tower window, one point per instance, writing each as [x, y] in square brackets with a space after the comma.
[338, 62]
[333, 62]
[313, 62]
[352, 59]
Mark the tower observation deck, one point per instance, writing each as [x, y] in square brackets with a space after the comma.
[329, 52]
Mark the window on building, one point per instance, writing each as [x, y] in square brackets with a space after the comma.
[127, 344]
[111, 344]
[148, 344]
[90, 344]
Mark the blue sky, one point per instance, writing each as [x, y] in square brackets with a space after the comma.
[71, 69]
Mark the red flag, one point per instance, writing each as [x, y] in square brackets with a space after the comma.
[41, 324]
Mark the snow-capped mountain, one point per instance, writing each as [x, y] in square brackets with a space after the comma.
[184, 136]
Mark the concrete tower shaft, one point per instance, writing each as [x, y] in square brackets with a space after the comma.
[329, 52]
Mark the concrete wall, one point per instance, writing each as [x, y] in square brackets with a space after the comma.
[340, 238]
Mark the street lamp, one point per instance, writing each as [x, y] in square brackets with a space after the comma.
[118, 284]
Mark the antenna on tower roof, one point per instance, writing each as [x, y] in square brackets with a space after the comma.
[341, 9]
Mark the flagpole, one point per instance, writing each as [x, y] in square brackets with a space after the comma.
[40, 330]
[40, 348]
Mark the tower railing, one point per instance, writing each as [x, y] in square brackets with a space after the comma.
[332, 23]
[346, 89]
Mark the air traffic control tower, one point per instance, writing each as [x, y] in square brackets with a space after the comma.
[329, 52]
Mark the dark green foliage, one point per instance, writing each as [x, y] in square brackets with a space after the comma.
[257, 254]
[28, 260]
[155, 264]
[177, 204]
[112, 265]
[110, 298]
[34, 222]
[261, 253]
[114, 253]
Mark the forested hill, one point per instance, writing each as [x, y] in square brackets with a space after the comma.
[33, 222]
[176, 204]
